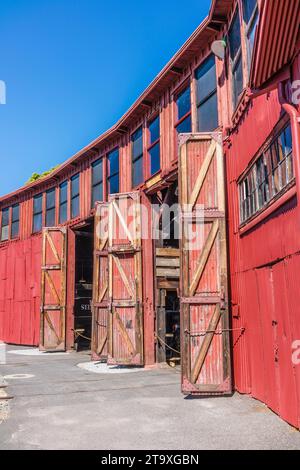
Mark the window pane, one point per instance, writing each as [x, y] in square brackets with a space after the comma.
[38, 204]
[235, 36]
[155, 158]
[75, 185]
[63, 196]
[113, 184]
[37, 223]
[290, 168]
[113, 162]
[288, 140]
[206, 79]
[137, 144]
[248, 9]
[50, 218]
[183, 103]
[154, 130]
[50, 199]
[185, 126]
[15, 229]
[270, 174]
[137, 172]
[5, 217]
[4, 233]
[75, 207]
[208, 114]
[63, 212]
[97, 172]
[15, 213]
[97, 194]
[251, 39]
[281, 147]
[237, 81]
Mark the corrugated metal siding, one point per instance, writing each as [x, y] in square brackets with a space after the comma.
[20, 273]
[264, 268]
[277, 35]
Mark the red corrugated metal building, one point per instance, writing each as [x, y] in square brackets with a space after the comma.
[224, 105]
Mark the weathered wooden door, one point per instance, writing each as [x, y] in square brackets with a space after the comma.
[125, 280]
[100, 283]
[53, 290]
[204, 293]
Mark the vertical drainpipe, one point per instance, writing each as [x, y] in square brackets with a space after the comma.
[295, 126]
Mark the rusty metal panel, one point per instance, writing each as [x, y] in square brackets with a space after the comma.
[100, 283]
[125, 280]
[204, 291]
[53, 290]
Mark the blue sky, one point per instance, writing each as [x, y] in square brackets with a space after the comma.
[73, 67]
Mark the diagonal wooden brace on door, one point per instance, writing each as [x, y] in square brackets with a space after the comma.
[124, 333]
[123, 276]
[206, 344]
[204, 257]
[202, 174]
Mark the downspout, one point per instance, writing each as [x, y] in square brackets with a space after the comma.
[295, 127]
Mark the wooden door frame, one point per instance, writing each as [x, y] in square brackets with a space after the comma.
[221, 313]
[61, 266]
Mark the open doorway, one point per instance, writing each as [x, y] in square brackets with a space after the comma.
[168, 327]
[84, 247]
[167, 274]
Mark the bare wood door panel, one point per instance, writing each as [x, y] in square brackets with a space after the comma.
[204, 293]
[100, 284]
[125, 280]
[53, 290]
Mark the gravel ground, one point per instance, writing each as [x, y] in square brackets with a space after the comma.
[4, 404]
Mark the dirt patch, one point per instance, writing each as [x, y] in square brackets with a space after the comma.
[4, 406]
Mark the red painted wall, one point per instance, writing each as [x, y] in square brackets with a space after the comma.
[20, 273]
[265, 266]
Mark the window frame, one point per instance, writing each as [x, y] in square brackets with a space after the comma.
[141, 156]
[201, 102]
[8, 210]
[15, 237]
[99, 183]
[109, 174]
[47, 209]
[35, 214]
[151, 145]
[177, 94]
[239, 57]
[75, 177]
[66, 202]
[248, 28]
[263, 194]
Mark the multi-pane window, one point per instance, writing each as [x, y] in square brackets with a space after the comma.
[97, 181]
[37, 213]
[63, 202]
[250, 15]
[207, 98]
[5, 225]
[50, 208]
[235, 50]
[15, 221]
[270, 174]
[137, 157]
[154, 145]
[113, 170]
[75, 198]
[183, 109]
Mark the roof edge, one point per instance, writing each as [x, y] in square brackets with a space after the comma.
[109, 133]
